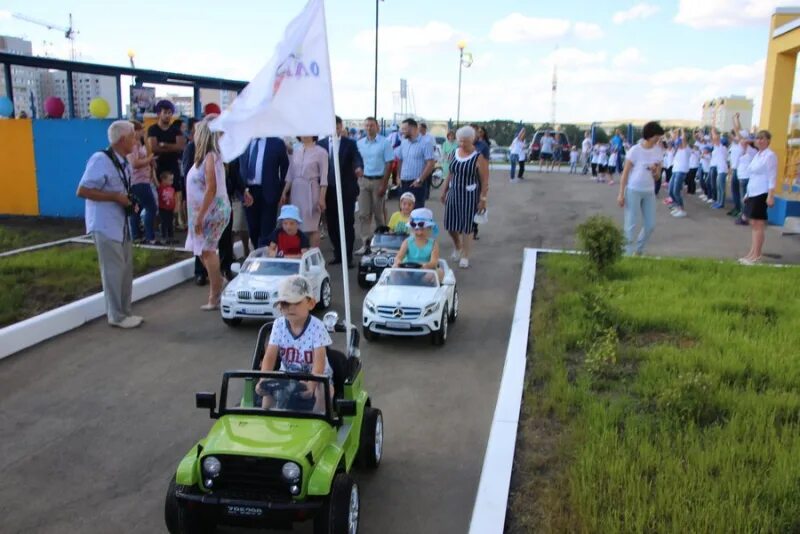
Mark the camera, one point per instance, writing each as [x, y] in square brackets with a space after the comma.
[134, 205]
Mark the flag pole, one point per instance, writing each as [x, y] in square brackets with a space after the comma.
[334, 141]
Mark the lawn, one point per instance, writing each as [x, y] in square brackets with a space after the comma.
[34, 282]
[663, 399]
[19, 232]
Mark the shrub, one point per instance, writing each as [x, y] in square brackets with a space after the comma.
[692, 397]
[602, 241]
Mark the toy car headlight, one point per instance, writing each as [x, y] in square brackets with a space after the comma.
[274, 295]
[291, 472]
[228, 292]
[211, 466]
[369, 305]
[366, 260]
[431, 308]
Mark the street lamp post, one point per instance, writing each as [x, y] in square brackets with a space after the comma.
[461, 45]
[375, 105]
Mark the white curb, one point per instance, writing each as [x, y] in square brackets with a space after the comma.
[29, 332]
[489, 512]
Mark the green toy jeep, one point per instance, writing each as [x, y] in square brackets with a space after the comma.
[272, 458]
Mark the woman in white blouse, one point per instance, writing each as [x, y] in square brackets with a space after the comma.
[763, 170]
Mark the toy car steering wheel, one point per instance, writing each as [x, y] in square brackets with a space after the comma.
[410, 265]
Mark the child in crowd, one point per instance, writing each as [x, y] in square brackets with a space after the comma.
[694, 164]
[612, 166]
[288, 241]
[300, 340]
[602, 163]
[422, 247]
[705, 166]
[595, 160]
[573, 160]
[166, 206]
[398, 223]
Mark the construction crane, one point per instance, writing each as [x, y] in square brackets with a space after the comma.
[69, 31]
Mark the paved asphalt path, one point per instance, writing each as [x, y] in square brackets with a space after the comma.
[94, 421]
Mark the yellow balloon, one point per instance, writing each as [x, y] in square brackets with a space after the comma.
[99, 108]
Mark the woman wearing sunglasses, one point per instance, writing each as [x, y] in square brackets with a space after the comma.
[421, 247]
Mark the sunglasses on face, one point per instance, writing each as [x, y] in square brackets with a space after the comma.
[417, 224]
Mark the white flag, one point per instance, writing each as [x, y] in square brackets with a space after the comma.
[291, 95]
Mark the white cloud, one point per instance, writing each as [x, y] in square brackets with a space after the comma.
[574, 57]
[638, 11]
[628, 58]
[724, 13]
[735, 75]
[518, 28]
[588, 31]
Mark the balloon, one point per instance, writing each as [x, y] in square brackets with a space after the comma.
[211, 109]
[99, 108]
[6, 107]
[54, 107]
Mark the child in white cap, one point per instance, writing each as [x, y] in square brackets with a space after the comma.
[398, 223]
[299, 339]
[288, 241]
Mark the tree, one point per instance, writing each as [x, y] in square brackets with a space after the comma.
[600, 135]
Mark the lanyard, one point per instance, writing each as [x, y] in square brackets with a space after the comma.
[120, 170]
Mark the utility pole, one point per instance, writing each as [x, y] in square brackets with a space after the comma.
[554, 92]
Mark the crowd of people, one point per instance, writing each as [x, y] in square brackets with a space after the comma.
[172, 177]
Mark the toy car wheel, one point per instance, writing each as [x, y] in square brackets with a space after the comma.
[369, 335]
[340, 515]
[371, 445]
[233, 322]
[440, 336]
[454, 311]
[180, 520]
[324, 295]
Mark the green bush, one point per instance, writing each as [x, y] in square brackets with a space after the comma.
[602, 241]
[692, 397]
[602, 354]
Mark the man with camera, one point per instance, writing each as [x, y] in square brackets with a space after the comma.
[105, 186]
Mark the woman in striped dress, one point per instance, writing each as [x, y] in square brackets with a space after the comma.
[465, 193]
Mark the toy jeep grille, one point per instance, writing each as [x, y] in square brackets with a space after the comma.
[393, 312]
[249, 475]
[261, 295]
[243, 295]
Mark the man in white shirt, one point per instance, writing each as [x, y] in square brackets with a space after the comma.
[105, 186]
[546, 150]
[586, 150]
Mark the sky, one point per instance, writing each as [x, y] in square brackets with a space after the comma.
[616, 59]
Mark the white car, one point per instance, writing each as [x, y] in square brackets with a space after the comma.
[411, 302]
[253, 293]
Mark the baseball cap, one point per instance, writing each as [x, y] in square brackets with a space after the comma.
[294, 289]
[290, 211]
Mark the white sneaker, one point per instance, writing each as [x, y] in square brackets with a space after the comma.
[464, 263]
[709, 201]
[456, 255]
[128, 322]
[515, 180]
[702, 197]
[679, 214]
[360, 252]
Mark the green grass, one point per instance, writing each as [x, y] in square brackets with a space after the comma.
[34, 282]
[664, 399]
[17, 236]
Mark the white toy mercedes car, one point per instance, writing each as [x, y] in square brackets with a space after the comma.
[408, 301]
[252, 294]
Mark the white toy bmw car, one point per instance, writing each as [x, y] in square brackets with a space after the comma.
[411, 302]
[252, 294]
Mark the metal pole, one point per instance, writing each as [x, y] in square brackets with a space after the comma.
[70, 97]
[120, 114]
[460, 66]
[9, 84]
[375, 106]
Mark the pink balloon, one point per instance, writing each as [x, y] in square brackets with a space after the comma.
[54, 107]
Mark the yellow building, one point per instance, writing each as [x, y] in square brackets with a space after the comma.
[719, 112]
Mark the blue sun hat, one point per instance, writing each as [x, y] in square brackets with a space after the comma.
[425, 216]
[290, 211]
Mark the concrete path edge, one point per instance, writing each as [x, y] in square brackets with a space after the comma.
[24, 334]
[489, 512]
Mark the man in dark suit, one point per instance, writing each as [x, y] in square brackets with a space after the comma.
[263, 168]
[351, 169]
